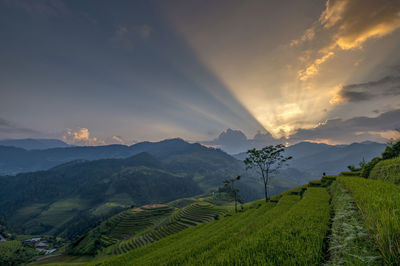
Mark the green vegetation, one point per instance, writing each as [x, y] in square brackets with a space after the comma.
[351, 173]
[379, 204]
[119, 227]
[392, 150]
[367, 168]
[14, 253]
[305, 225]
[70, 199]
[388, 170]
[189, 216]
[288, 232]
[137, 227]
[229, 188]
[349, 242]
[267, 162]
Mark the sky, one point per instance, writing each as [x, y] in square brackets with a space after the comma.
[102, 72]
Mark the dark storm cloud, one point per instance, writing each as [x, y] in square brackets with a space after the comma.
[356, 96]
[387, 86]
[339, 130]
[235, 141]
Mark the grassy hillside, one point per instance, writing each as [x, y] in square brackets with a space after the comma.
[388, 170]
[339, 220]
[283, 229]
[379, 205]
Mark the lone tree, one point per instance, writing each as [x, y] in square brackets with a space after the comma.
[229, 183]
[267, 162]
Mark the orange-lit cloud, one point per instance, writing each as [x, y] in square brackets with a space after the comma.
[82, 136]
[386, 134]
[313, 68]
[308, 35]
[287, 82]
[350, 23]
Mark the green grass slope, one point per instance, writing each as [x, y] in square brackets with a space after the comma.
[338, 220]
[288, 232]
[349, 242]
[388, 170]
[120, 227]
[141, 226]
[186, 217]
[379, 205]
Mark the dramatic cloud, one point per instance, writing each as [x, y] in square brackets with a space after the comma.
[156, 70]
[333, 131]
[388, 86]
[350, 23]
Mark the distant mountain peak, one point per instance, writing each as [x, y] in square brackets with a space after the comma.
[230, 135]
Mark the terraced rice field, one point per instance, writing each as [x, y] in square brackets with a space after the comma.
[129, 223]
[186, 217]
[290, 232]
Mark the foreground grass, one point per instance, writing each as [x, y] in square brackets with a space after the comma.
[379, 204]
[349, 242]
[290, 232]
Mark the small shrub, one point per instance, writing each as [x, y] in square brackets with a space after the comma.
[391, 151]
[367, 168]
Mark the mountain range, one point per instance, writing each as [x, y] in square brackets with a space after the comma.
[78, 186]
[68, 199]
[34, 144]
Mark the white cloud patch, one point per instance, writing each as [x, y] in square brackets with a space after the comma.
[83, 137]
